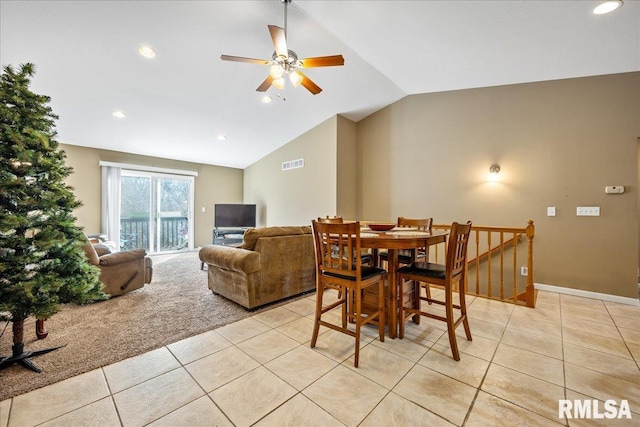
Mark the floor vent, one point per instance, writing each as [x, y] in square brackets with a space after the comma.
[292, 164]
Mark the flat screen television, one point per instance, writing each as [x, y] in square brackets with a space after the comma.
[235, 215]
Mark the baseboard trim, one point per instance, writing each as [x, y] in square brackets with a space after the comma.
[587, 294]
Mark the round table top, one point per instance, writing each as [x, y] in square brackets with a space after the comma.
[400, 238]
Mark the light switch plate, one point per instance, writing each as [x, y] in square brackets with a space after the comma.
[551, 211]
[588, 211]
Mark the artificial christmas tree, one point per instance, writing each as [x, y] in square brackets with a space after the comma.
[42, 264]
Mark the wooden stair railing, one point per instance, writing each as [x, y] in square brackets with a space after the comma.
[496, 249]
[482, 259]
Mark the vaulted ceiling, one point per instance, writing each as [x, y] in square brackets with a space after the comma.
[179, 102]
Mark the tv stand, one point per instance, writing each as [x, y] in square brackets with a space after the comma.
[228, 236]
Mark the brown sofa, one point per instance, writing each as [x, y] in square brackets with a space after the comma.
[272, 263]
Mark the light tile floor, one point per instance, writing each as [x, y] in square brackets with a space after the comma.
[261, 371]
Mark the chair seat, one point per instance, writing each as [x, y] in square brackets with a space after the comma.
[366, 271]
[426, 269]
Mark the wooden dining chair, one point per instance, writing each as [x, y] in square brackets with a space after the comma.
[446, 276]
[331, 220]
[338, 267]
[367, 258]
[408, 256]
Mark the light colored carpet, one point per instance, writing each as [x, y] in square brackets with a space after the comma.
[176, 305]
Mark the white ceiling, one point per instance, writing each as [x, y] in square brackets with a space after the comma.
[177, 103]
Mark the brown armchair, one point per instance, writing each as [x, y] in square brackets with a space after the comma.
[121, 272]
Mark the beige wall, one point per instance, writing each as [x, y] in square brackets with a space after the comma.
[296, 196]
[559, 143]
[214, 184]
[346, 185]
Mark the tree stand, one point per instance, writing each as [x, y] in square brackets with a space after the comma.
[20, 356]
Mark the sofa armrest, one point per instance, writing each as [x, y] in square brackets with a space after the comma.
[228, 258]
[122, 257]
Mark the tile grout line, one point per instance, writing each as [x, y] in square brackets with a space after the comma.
[298, 392]
[522, 373]
[621, 336]
[479, 388]
[564, 363]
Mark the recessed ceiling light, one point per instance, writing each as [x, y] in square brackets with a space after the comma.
[147, 52]
[266, 99]
[119, 114]
[607, 6]
[222, 137]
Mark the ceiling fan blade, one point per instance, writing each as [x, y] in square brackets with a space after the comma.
[279, 41]
[322, 61]
[266, 84]
[243, 59]
[309, 84]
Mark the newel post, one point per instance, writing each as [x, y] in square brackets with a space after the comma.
[530, 290]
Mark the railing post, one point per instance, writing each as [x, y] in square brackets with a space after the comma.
[530, 290]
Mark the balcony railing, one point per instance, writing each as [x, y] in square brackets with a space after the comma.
[499, 263]
[135, 232]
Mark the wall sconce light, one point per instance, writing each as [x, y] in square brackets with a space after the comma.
[493, 173]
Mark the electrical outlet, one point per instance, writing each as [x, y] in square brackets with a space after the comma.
[524, 271]
[588, 211]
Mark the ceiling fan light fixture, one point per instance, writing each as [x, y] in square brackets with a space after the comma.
[276, 71]
[266, 99]
[607, 7]
[295, 78]
[278, 83]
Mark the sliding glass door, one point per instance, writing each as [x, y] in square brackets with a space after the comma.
[172, 215]
[155, 211]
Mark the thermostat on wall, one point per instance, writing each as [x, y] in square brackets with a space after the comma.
[614, 189]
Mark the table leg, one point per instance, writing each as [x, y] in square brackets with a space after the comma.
[392, 314]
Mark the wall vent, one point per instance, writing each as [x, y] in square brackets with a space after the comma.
[292, 164]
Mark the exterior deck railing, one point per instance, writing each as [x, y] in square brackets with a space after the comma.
[134, 233]
[499, 263]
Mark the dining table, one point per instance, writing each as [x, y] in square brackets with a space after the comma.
[393, 241]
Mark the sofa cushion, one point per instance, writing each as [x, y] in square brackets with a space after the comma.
[252, 235]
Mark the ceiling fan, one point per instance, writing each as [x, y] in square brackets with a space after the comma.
[285, 61]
